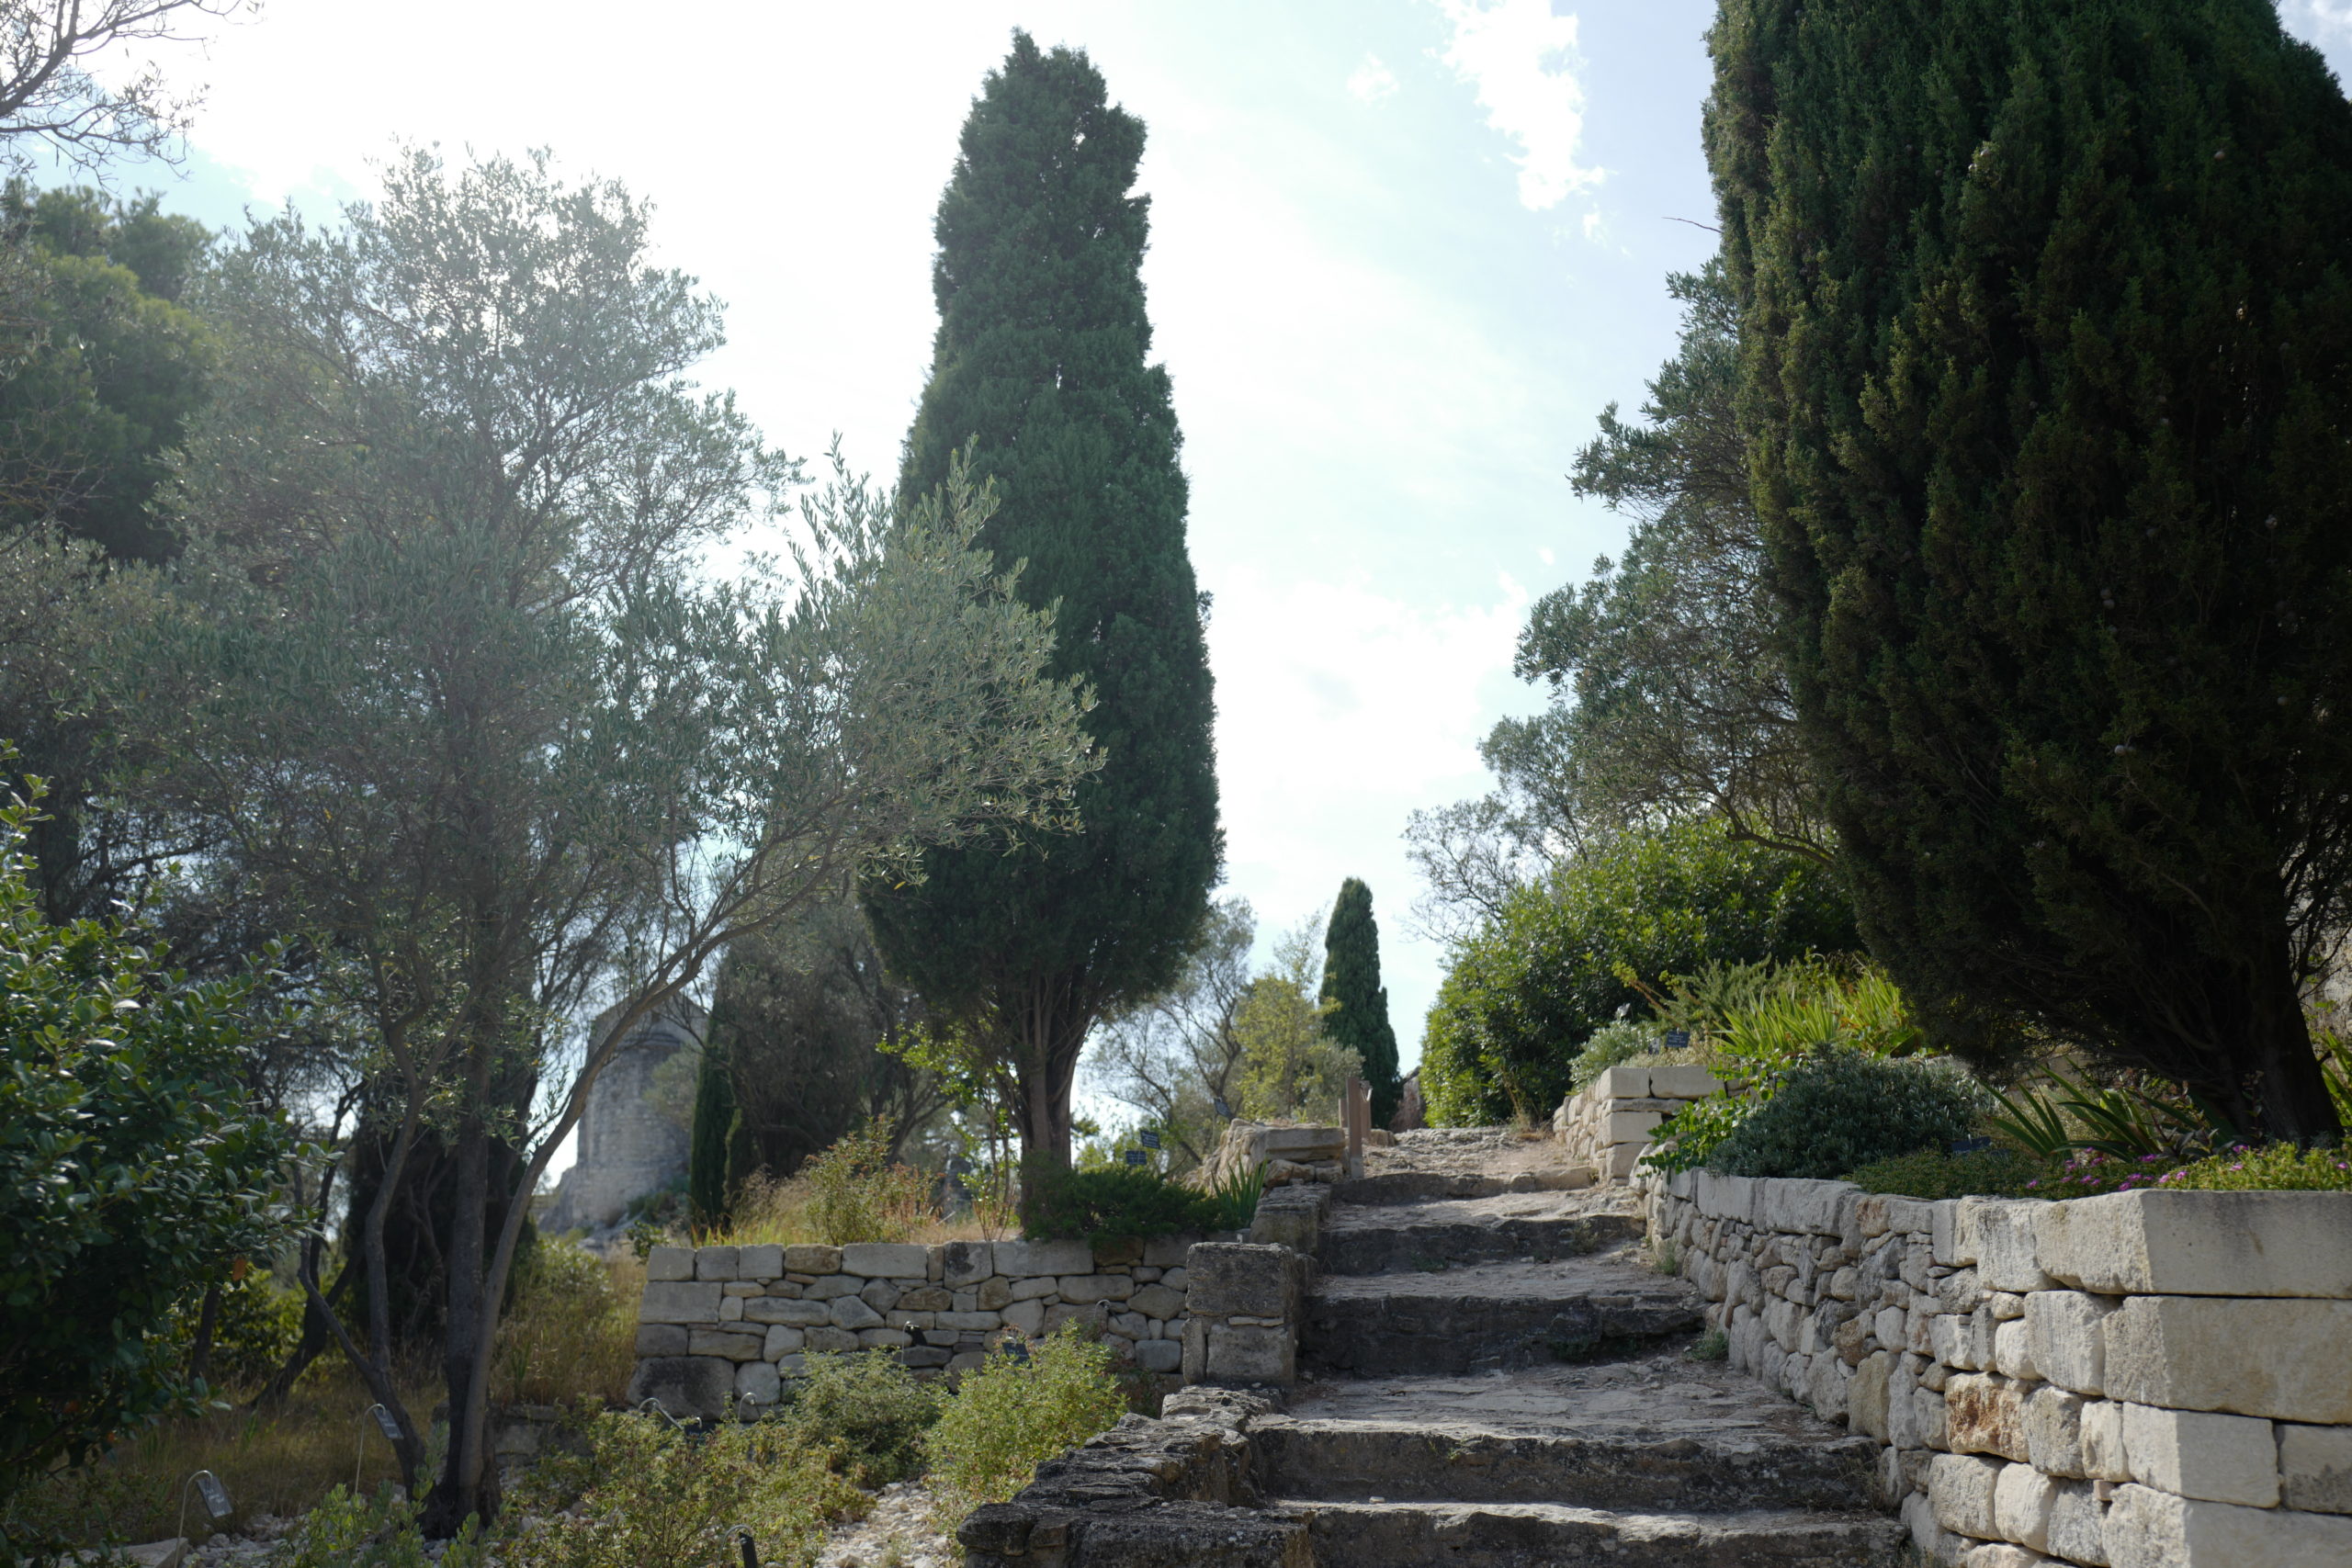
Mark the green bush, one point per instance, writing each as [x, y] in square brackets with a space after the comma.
[1930, 1173]
[2279, 1167]
[1111, 1202]
[866, 1409]
[1016, 1411]
[1842, 1109]
[1607, 931]
[1614, 1045]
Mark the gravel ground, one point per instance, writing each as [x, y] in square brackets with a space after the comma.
[898, 1533]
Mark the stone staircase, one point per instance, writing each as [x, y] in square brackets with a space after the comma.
[1489, 1378]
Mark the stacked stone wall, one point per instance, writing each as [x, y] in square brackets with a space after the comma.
[721, 1323]
[2145, 1380]
[1608, 1124]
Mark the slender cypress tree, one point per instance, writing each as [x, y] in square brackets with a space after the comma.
[1352, 979]
[708, 1140]
[2048, 392]
[1041, 363]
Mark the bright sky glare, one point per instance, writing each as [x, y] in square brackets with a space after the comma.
[1404, 251]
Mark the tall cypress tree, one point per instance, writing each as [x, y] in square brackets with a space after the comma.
[708, 1136]
[2047, 389]
[1040, 363]
[1352, 979]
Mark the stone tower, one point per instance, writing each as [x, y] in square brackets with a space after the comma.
[629, 1144]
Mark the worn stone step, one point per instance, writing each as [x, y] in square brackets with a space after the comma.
[1402, 1462]
[1539, 1535]
[1489, 1318]
[1429, 1238]
[1419, 1186]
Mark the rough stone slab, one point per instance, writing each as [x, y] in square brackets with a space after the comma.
[1026, 1259]
[1240, 1278]
[1682, 1080]
[1802, 1207]
[1984, 1414]
[1159, 1355]
[812, 1258]
[1253, 1353]
[2202, 1244]
[1621, 1083]
[2021, 1499]
[732, 1345]
[689, 1387]
[966, 1263]
[2316, 1468]
[670, 1263]
[2147, 1529]
[799, 1314]
[2054, 1431]
[2282, 1357]
[715, 1263]
[1727, 1197]
[1943, 1235]
[2196, 1453]
[2077, 1524]
[660, 1339]
[762, 1262]
[852, 1311]
[1157, 1302]
[1998, 1235]
[757, 1385]
[886, 1260]
[2065, 1337]
[1960, 1491]
[783, 1340]
[680, 1300]
[1167, 1251]
[2103, 1455]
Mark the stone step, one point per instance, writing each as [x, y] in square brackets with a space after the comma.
[1420, 1185]
[1489, 1318]
[1407, 1462]
[1430, 1237]
[1540, 1535]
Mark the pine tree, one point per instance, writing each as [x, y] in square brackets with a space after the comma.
[1351, 979]
[1041, 364]
[2048, 391]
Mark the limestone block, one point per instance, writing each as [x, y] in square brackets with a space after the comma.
[1621, 1083]
[851, 1312]
[1250, 1355]
[1981, 1329]
[1866, 1396]
[1174, 1279]
[2021, 1500]
[1960, 1489]
[1130, 1325]
[994, 1294]
[1725, 1197]
[880, 1295]
[784, 1340]
[689, 1387]
[2006, 1305]
[667, 1263]
[800, 1314]
[2224, 1458]
[1682, 1080]
[2077, 1524]
[1157, 1302]
[1949, 1341]
[1028, 1316]
[969, 1322]
[1117, 1252]
[2066, 1340]
[1985, 1415]
[1159, 1355]
[660, 1339]
[2054, 1431]
[1998, 1235]
[2282, 1357]
[1096, 1316]
[1801, 1207]
[1619, 1163]
[966, 1263]
[733, 1344]
[923, 1298]
[1024, 1259]
[2148, 1528]
[760, 1263]
[1887, 1328]
[1929, 1419]
[756, 1384]
[715, 1263]
[1026, 1289]
[909, 1320]
[2001, 1554]
[831, 1338]
[1629, 1126]
[1960, 1290]
[2103, 1455]
[743, 1288]
[684, 1300]
[884, 1338]
[2314, 1468]
[2202, 1244]
[1228, 1278]
[1084, 1288]
[1911, 1216]
[812, 1260]
[730, 1309]
[886, 1260]
[1944, 1240]
[922, 1357]
[2013, 1352]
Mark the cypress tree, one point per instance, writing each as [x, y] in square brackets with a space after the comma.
[2048, 392]
[1040, 363]
[709, 1141]
[1351, 979]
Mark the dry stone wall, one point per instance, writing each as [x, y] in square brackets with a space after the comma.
[1608, 1124]
[718, 1324]
[2146, 1380]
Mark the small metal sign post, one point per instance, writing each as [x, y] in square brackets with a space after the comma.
[1148, 1138]
[386, 1424]
[1676, 1040]
[207, 1486]
[742, 1536]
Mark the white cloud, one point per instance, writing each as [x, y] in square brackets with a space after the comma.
[1372, 81]
[1523, 60]
[2336, 15]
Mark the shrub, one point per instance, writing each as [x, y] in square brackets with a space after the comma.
[2279, 1167]
[1016, 1411]
[571, 1333]
[637, 1490]
[1842, 1109]
[1111, 1202]
[864, 1408]
[349, 1532]
[857, 1193]
[1604, 932]
[1614, 1045]
[1930, 1173]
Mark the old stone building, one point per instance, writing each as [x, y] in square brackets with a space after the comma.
[632, 1141]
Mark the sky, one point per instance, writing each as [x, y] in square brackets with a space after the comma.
[1403, 252]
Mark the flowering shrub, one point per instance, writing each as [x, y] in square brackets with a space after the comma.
[2089, 1173]
[2282, 1168]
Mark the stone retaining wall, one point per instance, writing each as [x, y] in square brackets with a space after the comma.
[718, 1323]
[2146, 1380]
[1608, 1124]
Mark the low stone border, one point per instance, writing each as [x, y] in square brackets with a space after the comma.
[2145, 1380]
